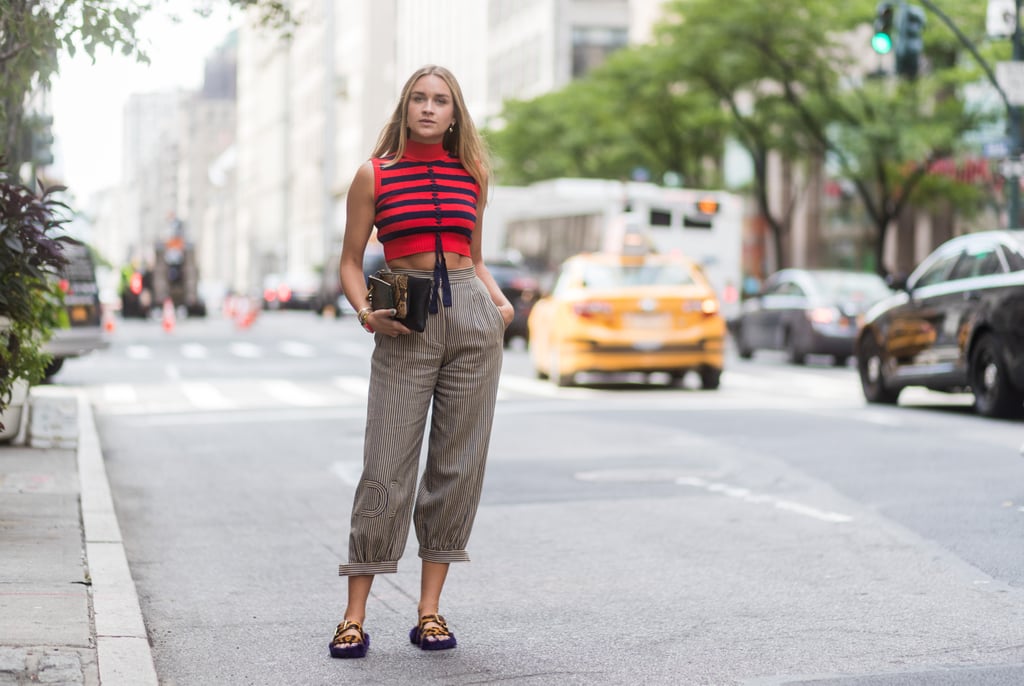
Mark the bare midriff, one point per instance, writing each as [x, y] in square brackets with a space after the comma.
[424, 261]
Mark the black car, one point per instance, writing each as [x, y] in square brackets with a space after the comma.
[807, 312]
[81, 329]
[955, 324]
[521, 288]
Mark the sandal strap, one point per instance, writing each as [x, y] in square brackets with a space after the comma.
[349, 638]
[440, 630]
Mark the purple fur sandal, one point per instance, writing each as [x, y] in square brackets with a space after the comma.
[437, 637]
[352, 645]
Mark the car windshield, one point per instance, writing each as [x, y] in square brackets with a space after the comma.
[852, 287]
[619, 275]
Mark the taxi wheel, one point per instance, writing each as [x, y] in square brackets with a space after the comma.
[710, 378]
[742, 348]
[557, 376]
[994, 396]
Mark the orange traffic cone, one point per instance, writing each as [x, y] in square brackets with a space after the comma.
[245, 313]
[168, 318]
[108, 321]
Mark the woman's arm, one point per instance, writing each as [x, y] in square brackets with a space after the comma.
[360, 212]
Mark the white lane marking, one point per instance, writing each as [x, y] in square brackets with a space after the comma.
[138, 352]
[120, 393]
[749, 496]
[355, 349]
[545, 389]
[348, 472]
[194, 351]
[293, 394]
[206, 396]
[297, 349]
[356, 385]
[247, 350]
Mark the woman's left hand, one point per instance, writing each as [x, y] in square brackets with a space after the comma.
[507, 312]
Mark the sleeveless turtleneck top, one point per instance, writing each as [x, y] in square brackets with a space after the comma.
[425, 202]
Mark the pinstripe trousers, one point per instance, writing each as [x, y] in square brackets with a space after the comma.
[450, 371]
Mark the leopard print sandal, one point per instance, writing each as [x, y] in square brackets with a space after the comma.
[437, 637]
[350, 645]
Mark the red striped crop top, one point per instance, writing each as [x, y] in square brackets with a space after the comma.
[425, 197]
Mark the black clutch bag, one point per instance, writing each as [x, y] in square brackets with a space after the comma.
[408, 295]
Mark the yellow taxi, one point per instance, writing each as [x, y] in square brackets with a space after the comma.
[611, 313]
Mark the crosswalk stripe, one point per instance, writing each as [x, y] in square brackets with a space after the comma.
[120, 393]
[194, 351]
[294, 394]
[138, 352]
[358, 386]
[297, 349]
[247, 350]
[205, 396]
[545, 389]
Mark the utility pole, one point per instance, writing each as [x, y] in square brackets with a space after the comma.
[1014, 122]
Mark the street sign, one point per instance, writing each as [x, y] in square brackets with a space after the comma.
[1000, 19]
[1010, 77]
[1010, 168]
[995, 149]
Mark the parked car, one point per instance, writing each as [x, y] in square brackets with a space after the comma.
[294, 291]
[330, 298]
[82, 331]
[628, 313]
[808, 312]
[955, 324]
[522, 289]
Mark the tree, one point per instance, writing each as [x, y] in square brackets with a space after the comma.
[789, 83]
[629, 113]
[792, 67]
[33, 34]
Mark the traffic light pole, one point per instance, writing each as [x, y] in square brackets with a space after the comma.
[1015, 144]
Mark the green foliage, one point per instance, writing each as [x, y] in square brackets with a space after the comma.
[31, 254]
[789, 82]
[33, 34]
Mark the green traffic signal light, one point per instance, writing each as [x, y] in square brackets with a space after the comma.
[881, 43]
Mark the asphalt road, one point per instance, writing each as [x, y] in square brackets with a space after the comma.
[776, 531]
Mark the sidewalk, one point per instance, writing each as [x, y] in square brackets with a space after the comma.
[69, 613]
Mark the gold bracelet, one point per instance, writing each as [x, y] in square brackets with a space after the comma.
[363, 315]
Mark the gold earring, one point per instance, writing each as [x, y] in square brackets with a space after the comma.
[451, 127]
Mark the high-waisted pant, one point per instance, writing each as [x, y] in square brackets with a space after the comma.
[450, 370]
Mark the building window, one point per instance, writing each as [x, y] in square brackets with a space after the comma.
[592, 45]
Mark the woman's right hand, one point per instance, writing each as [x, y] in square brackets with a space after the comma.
[383, 321]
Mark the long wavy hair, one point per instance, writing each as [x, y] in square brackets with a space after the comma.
[464, 142]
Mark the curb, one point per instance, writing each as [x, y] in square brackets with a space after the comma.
[124, 655]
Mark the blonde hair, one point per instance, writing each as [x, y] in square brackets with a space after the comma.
[464, 142]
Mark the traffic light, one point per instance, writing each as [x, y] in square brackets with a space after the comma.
[909, 41]
[881, 41]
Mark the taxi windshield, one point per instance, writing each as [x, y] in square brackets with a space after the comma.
[621, 276]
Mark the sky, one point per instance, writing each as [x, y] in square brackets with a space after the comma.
[88, 98]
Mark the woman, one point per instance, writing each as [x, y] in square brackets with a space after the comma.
[424, 189]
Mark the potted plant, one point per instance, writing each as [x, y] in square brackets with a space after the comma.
[31, 254]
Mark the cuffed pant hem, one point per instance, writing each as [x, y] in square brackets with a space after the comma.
[443, 555]
[364, 568]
